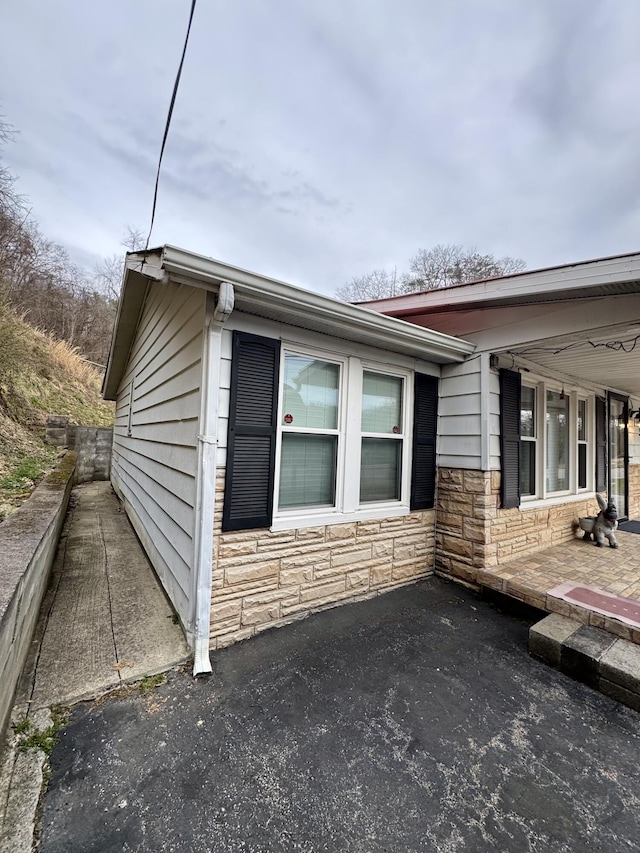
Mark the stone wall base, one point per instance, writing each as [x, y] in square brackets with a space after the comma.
[264, 580]
[634, 491]
[473, 532]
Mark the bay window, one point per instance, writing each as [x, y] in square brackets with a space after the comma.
[528, 448]
[582, 444]
[557, 437]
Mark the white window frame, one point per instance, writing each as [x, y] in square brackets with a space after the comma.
[588, 440]
[284, 428]
[571, 436]
[542, 495]
[347, 505]
[533, 440]
[400, 436]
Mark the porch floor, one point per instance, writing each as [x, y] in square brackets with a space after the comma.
[531, 578]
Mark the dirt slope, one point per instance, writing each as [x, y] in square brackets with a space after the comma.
[38, 376]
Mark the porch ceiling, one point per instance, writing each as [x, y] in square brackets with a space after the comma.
[609, 357]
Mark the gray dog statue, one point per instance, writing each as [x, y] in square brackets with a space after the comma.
[601, 526]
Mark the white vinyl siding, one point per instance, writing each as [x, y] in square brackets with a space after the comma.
[154, 466]
[460, 416]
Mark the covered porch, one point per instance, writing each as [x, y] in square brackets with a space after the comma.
[533, 578]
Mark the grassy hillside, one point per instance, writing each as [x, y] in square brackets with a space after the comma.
[38, 376]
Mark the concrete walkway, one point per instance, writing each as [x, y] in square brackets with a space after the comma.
[105, 619]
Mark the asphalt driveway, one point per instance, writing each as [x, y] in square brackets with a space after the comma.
[413, 722]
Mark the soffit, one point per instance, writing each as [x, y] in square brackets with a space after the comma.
[609, 359]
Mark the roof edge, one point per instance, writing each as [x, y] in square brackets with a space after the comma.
[574, 277]
[341, 318]
[343, 315]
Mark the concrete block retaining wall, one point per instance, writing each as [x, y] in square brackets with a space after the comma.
[28, 542]
[92, 444]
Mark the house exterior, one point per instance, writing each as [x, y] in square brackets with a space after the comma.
[279, 452]
[542, 416]
[274, 449]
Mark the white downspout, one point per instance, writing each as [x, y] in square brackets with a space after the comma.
[217, 312]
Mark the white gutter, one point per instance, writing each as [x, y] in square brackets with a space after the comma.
[217, 312]
[314, 310]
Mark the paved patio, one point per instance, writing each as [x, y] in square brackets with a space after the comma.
[530, 578]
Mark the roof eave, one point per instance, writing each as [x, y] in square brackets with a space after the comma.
[135, 282]
[585, 279]
[255, 292]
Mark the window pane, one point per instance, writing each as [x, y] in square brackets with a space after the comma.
[310, 392]
[582, 420]
[307, 470]
[557, 417]
[528, 412]
[380, 467]
[527, 468]
[381, 403]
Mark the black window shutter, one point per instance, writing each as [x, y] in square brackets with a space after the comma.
[253, 410]
[601, 444]
[425, 422]
[510, 399]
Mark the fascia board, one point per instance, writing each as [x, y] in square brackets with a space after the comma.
[130, 304]
[551, 282]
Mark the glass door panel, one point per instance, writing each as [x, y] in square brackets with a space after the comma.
[618, 415]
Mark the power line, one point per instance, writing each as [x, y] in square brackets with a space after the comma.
[626, 346]
[168, 122]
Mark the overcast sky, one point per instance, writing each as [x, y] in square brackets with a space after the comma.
[315, 140]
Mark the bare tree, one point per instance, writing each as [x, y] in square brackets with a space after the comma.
[375, 285]
[133, 239]
[448, 264]
[39, 281]
[108, 276]
[441, 266]
[108, 273]
[10, 200]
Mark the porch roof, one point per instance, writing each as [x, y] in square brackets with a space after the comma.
[610, 276]
[578, 321]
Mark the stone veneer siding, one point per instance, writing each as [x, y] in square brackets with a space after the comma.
[263, 580]
[474, 533]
